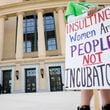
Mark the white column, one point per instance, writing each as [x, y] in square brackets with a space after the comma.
[2, 20]
[41, 38]
[19, 46]
[61, 29]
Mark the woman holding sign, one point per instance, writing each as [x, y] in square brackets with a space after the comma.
[73, 12]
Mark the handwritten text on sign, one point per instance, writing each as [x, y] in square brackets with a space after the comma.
[88, 52]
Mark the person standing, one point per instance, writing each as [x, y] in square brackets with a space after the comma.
[74, 10]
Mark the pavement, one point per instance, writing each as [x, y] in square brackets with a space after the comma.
[66, 100]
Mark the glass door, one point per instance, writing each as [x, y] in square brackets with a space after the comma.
[6, 81]
[55, 78]
[30, 80]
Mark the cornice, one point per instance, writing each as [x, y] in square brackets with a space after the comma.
[29, 3]
[30, 6]
[12, 9]
[33, 60]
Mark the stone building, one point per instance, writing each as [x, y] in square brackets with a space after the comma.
[32, 44]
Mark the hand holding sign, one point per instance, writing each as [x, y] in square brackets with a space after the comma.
[91, 11]
[87, 49]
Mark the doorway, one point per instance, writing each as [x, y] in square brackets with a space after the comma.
[30, 80]
[55, 79]
[6, 87]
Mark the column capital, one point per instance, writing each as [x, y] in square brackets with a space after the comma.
[40, 10]
[3, 17]
[60, 9]
[20, 13]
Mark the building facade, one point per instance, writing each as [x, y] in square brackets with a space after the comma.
[32, 45]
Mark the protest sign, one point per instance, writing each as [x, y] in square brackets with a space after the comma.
[87, 64]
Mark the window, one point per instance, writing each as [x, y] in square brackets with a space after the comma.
[50, 35]
[30, 33]
[55, 70]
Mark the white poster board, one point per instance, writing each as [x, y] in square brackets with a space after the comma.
[87, 63]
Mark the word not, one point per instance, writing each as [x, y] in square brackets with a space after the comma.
[91, 59]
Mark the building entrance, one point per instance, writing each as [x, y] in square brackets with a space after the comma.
[6, 81]
[55, 79]
[30, 80]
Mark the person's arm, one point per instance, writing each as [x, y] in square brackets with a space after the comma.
[92, 10]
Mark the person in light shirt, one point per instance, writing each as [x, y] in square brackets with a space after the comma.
[74, 10]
